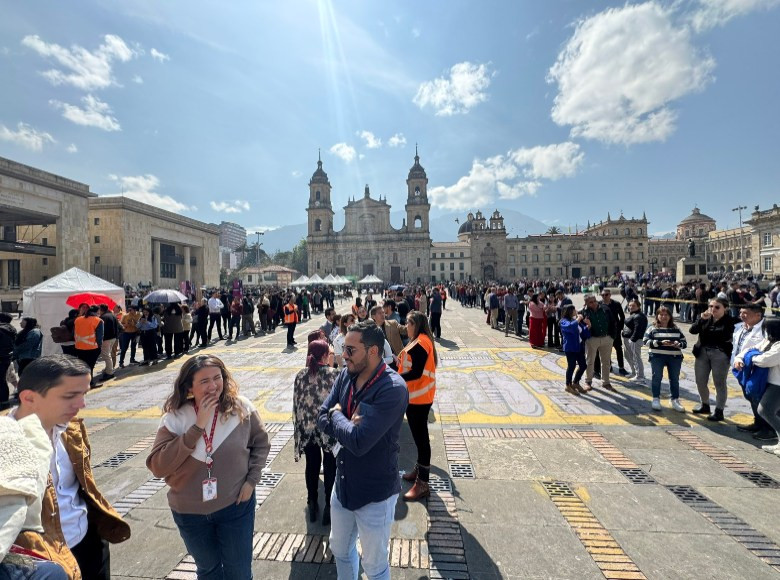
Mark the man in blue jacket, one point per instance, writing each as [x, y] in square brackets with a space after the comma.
[364, 412]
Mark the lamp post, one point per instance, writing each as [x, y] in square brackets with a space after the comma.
[739, 209]
[653, 262]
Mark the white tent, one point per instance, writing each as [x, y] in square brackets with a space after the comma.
[46, 301]
[344, 280]
[302, 281]
[316, 279]
[330, 280]
[370, 279]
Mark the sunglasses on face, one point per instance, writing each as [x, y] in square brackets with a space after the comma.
[350, 350]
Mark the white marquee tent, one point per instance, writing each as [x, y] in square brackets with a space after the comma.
[46, 301]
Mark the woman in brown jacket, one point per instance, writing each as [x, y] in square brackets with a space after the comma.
[210, 448]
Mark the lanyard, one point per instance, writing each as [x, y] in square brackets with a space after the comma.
[209, 440]
[365, 387]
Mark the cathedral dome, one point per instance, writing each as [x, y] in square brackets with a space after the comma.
[697, 216]
[466, 227]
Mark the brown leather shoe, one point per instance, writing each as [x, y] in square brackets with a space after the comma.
[410, 475]
[419, 490]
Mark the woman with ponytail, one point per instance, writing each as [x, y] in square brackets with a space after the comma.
[312, 386]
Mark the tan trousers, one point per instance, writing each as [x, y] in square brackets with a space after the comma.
[603, 346]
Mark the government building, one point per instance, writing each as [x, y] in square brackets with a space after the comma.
[368, 243]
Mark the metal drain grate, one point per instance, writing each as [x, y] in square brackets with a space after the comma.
[558, 489]
[462, 470]
[637, 476]
[117, 460]
[270, 479]
[760, 479]
[440, 484]
[687, 494]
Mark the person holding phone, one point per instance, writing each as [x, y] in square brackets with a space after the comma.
[665, 343]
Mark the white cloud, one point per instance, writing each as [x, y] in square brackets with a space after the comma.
[142, 188]
[295, 173]
[95, 113]
[79, 67]
[518, 173]
[372, 142]
[72, 148]
[138, 79]
[159, 56]
[236, 206]
[713, 13]
[620, 71]
[346, 152]
[26, 136]
[464, 89]
[397, 140]
[261, 229]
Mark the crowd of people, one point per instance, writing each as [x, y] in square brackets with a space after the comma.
[365, 371]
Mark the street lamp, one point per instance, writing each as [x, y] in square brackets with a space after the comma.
[653, 262]
[739, 209]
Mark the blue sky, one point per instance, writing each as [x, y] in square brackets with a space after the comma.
[562, 110]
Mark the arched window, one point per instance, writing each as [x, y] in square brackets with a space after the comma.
[615, 232]
[639, 231]
[417, 191]
[747, 254]
[417, 222]
[395, 257]
[317, 195]
[340, 259]
[317, 225]
[628, 231]
[731, 256]
[687, 233]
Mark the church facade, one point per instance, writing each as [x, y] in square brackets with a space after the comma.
[368, 243]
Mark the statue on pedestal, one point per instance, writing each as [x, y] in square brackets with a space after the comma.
[691, 248]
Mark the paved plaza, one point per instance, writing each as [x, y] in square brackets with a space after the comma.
[530, 482]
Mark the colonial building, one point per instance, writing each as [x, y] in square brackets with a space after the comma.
[271, 275]
[601, 249]
[132, 242]
[450, 261]
[765, 240]
[368, 243]
[664, 253]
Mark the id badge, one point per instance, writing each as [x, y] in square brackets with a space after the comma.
[336, 449]
[210, 489]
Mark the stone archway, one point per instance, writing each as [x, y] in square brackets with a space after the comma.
[488, 273]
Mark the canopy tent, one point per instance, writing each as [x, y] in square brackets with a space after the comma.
[344, 280]
[316, 279]
[46, 301]
[370, 279]
[302, 281]
[330, 280]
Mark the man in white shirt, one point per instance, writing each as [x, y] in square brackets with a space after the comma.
[78, 522]
[747, 335]
[215, 314]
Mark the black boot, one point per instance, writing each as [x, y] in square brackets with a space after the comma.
[702, 409]
[313, 510]
[326, 515]
[717, 415]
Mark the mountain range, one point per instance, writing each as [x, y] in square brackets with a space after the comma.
[443, 228]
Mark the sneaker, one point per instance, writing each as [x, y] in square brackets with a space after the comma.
[656, 404]
[642, 382]
[677, 406]
[608, 387]
[771, 448]
[752, 428]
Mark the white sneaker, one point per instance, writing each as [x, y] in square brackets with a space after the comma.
[641, 382]
[656, 404]
[677, 406]
[771, 448]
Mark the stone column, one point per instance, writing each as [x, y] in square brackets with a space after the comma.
[156, 263]
[187, 272]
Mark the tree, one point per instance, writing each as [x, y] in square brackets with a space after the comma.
[553, 231]
[300, 257]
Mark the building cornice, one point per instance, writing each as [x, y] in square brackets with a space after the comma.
[26, 173]
[120, 202]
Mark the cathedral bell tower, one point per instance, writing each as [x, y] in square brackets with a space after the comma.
[319, 208]
[417, 206]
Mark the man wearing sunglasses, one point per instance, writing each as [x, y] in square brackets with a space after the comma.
[364, 413]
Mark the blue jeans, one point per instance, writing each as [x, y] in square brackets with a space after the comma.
[372, 523]
[220, 543]
[575, 359]
[672, 364]
[33, 571]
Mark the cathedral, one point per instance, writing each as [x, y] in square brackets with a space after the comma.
[368, 243]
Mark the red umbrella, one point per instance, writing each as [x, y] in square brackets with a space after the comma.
[90, 298]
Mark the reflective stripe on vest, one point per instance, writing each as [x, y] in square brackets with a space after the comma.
[423, 389]
[84, 332]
